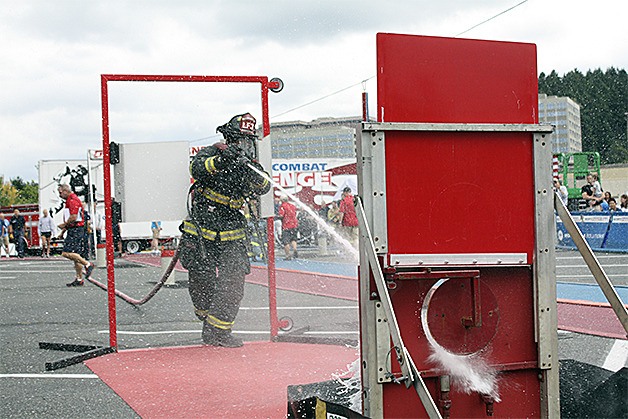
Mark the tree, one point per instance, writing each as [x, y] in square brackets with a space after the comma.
[8, 193]
[17, 191]
[603, 100]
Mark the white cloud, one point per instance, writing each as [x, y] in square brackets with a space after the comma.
[53, 54]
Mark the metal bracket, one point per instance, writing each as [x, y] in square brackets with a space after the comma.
[408, 368]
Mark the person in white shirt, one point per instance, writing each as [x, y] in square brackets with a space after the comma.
[561, 190]
[4, 234]
[47, 228]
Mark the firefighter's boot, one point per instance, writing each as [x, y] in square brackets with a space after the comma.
[216, 337]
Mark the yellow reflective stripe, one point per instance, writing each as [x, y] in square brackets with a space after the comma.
[217, 323]
[190, 228]
[223, 199]
[210, 164]
[230, 235]
[263, 184]
[226, 236]
[201, 313]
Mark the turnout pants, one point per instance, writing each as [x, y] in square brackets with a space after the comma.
[216, 272]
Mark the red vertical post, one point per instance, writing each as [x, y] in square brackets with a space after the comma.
[111, 283]
[365, 106]
[270, 235]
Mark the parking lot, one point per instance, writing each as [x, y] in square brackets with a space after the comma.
[38, 307]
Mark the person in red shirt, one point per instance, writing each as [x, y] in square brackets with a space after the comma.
[289, 224]
[348, 217]
[74, 230]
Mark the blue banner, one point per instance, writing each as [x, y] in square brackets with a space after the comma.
[602, 230]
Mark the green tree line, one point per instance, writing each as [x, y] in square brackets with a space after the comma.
[603, 100]
[17, 191]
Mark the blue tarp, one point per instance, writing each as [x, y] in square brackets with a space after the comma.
[602, 230]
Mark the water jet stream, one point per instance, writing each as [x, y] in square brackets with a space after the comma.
[470, 371]
[322, 223]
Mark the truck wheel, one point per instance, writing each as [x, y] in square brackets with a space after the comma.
[132, 246]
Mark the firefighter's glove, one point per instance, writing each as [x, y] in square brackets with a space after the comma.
[231, 157]
[256, 177]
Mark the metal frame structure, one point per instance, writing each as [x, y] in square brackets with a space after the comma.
[378, 319]
[275, 85]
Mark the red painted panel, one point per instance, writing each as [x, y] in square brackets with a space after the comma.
[459, 193]
[463, 193]
[431, 79]
[523, 387]
[512, 344]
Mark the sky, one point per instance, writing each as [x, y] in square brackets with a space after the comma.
[54, 52]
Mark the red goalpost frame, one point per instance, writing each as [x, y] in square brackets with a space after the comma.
[265, 85]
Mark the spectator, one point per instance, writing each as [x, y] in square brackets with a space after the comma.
[597, 188]
[289, 224]
[73, 227]
[604, 202]
[4, 234]
[623, 203]
[561, 190]
[88, 241]
[47, 229]
[607, 196]
[116, 219]
[348, 217]
[99, 223]
[589, 194]
[333, 214]
[155, 228]
[612, 205]
[17, 225]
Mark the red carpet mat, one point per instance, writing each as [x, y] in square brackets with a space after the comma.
[209, 382]
[590, 318]
[328, 285]
[336, 286]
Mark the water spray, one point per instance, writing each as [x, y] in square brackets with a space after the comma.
[322, 223]
[470, 370]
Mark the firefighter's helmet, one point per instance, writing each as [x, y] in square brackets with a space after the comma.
[240, 132]
[238, 127]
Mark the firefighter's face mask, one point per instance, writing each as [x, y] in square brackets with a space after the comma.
[246, 144]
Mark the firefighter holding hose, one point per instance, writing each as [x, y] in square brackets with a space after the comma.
[213, 243]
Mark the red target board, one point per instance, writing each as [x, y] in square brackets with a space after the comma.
[450, 180]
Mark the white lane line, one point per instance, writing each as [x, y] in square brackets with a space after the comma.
[47, 271]
[8, 277]
[241, 332]
[597, 256]
[75, 376]
[160, 332]
[617, 356]
[585, 266]
[611, 277]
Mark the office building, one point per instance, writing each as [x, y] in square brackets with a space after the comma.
[320, 138]
[564, 114]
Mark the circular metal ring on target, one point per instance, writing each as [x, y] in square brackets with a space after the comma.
[447, 303]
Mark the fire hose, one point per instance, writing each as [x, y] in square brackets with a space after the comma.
[151, 294]
[167, 272]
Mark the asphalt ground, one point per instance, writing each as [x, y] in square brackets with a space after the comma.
[36, 306]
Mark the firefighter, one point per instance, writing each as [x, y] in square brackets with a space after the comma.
[213, 242]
